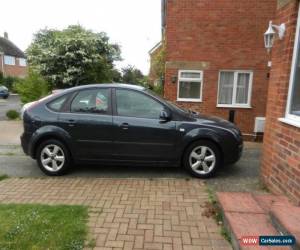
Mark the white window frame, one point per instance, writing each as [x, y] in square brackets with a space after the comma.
[183, 79]
[11, 58]
[22, 60]
[289, 118]
[235, 79]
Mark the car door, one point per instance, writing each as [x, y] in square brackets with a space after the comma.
[89, 123]
[139, 134]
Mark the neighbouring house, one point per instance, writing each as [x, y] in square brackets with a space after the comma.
[280, 168]
[154, 77]
[216, 62]
[12, 59]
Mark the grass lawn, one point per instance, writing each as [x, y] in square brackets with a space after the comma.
[3, 177]
[38, 227]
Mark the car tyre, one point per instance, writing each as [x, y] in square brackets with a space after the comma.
[202, 159]
[53, 157]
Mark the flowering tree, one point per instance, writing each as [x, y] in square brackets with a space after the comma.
[73, 56]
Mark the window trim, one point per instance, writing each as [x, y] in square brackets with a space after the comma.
[234, 104]
[290, 119]
[12, 57]
[190, 80]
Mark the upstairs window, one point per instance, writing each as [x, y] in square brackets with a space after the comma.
[235, 89]
[9, 60]
[22, 62]
[190, 86]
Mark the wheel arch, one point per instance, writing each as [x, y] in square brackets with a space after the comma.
[204, 136]
[47, 134]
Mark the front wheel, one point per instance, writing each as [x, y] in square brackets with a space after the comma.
[53, 158]
[202, 159]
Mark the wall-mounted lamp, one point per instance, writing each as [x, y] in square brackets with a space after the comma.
[270, 34]
[174, 79]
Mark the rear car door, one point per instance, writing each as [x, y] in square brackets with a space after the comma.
[139, 134]
[89, 123]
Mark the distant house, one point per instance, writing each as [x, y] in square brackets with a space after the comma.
[216, 62]
[12, 59]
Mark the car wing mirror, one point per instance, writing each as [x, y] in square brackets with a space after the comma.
[165, 116]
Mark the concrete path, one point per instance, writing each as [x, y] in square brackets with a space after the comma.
[129, 213]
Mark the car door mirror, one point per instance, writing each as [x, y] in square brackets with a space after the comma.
[165, 116]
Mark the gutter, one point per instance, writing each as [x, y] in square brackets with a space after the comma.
[2, 63]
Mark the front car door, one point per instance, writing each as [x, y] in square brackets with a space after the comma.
[89, 123]
[139, 134]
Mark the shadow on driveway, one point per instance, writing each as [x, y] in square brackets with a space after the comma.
[243, 176]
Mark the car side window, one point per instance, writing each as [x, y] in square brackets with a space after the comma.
[91, 101]
[57, 104]
[134, 104]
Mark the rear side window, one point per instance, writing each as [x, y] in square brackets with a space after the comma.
[91, 101]
[58, 103]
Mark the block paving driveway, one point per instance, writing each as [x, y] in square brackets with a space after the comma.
[129, 213]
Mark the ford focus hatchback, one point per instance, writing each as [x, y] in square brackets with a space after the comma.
[125, 124]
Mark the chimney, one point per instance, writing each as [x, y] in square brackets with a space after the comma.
[5, 35]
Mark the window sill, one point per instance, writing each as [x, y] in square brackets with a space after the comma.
[290, 122]
[234, 106]
[188, 100]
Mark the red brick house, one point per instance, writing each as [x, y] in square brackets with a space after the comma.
[281, 157]
[12, 59]
[216, 62]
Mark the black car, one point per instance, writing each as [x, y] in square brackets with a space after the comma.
[125, 124]
[4, 93]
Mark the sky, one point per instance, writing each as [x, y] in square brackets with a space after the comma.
[133, 24]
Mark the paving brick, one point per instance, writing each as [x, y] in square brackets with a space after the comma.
[125, 213]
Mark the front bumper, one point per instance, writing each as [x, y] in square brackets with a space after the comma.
[25, 143]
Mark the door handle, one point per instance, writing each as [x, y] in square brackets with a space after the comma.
[71, 122]
[125, 126]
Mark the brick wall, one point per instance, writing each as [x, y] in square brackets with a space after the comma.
[13, 70]
[281, 157]
[219, 35]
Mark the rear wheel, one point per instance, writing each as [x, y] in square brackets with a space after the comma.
[53, 158]
[202, 159]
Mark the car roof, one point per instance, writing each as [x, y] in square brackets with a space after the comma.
[110, 85]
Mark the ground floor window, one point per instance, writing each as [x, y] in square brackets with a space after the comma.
[293, 102]
[9, 60]
[190, 85]
[235, 89]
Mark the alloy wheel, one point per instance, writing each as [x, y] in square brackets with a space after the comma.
[202, 160]
[52, 158]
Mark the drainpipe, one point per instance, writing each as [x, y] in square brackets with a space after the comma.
[2, 62]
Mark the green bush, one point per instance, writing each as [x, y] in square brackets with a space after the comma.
[7, 81]
[31, 88]
[12, 114]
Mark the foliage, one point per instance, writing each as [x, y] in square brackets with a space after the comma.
[31, 88]
[3, 177]
[7, 81]
[158, 89]
[12, 114]
[159, 62]
[42, 227]
[73, 56]
[132, 75]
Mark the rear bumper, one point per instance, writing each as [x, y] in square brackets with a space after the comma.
[25, 139]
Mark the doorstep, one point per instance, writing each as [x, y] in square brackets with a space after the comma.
[247, 214]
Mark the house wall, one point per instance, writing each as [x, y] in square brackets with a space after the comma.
[13, 70]
[281, 155]
[219, 35]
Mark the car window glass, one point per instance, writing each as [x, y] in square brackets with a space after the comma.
[134, 104]
[91, 101]
[57, 104]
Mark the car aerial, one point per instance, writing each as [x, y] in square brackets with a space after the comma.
[125, 124]
[4, 93]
